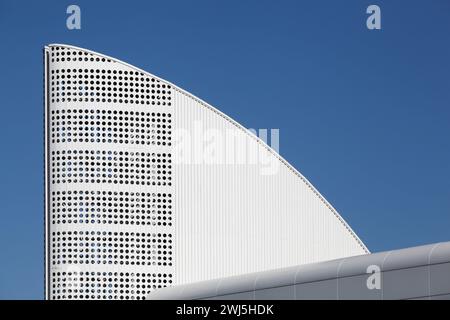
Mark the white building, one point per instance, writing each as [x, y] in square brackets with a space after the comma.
[148, 186]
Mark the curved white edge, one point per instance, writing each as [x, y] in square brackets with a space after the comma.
[46, 185]
[314, 272]
[238, 125]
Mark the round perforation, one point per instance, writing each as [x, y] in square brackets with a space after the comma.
[107, 285]
[111, 126]
[107, 85]
[64, 54]
[111, 207]
[116, 167]
[111, 248]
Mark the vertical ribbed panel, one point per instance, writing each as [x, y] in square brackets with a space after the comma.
[233, 219]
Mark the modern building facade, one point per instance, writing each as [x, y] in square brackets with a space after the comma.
[147, 186]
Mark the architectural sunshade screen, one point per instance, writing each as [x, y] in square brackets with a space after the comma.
[128, 211]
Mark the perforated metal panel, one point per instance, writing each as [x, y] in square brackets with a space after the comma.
[111, 207]
[124, 216]
[110, 231]
[106, 285]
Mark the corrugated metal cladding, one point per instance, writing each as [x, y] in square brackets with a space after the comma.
[143, 191]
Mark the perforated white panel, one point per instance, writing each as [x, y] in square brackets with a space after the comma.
[106, 285]
[109, 178]
[124, 216]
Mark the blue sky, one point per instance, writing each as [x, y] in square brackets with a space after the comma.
[364, 115]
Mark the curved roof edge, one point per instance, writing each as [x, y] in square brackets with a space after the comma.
[437, 253]
[237, 124]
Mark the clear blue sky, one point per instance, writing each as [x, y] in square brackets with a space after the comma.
[364, 115]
